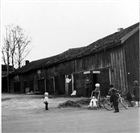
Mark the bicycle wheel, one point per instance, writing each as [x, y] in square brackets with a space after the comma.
[107, 105]
[124, 103]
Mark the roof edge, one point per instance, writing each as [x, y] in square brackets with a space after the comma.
[123, 39]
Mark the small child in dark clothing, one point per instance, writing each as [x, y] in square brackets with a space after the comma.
[114, 100]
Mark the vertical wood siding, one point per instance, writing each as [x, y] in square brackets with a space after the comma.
[119, 61]
[131, 47]
[117, 73]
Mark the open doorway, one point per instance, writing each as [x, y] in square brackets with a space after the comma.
[102, 77]
[95, 80]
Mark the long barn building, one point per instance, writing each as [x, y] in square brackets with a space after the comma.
[113, 59]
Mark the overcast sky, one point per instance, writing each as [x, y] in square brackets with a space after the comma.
[56, 26]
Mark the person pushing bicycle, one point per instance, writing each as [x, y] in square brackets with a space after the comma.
[113, 93]
[114, 100]
[112, 88]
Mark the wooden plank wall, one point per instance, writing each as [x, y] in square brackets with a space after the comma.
[112, 58]
[120, 64]
[131, 48]
[117, 68]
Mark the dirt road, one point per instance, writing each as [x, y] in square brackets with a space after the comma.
[25, 114]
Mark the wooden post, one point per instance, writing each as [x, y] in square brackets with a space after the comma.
[45, 84]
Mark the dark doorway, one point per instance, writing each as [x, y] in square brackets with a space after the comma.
[25, 86]
[31, 86]
[50, 85]
[16, 86]
[95, 80]
[4, 84]
[102, 77]
[79, 80]
[70, 85]
[41, 86]
[56, 85]
[62, 84]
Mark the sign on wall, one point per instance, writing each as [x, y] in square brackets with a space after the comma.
[96, 72]
[86, 72]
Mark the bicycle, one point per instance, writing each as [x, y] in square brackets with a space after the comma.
[106, 101]
[108, 106]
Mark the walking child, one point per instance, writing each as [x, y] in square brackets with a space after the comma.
[114, 100]
[46, 100]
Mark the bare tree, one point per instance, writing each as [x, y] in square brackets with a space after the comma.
[16, 46]
[22, 44]
[6, 55]
[5, 49]
[3, 55]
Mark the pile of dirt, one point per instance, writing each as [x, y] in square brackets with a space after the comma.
[69, 103]
[5, 99]
[83, 101]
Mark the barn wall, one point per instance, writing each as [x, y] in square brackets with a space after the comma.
[118, 68]
[30, 80]
[11, 84]
[99, 62]
[110, 63]
[131, 47]
[96, 61]
[53, 79]
[27, 81]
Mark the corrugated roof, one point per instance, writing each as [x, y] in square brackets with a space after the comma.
[106, 42]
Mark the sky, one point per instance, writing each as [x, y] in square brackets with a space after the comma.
[56, 26]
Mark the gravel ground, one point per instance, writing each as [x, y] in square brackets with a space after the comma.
[26, 114]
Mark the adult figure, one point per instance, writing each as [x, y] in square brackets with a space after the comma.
[136, 92]
[88, 82]
[97, 93]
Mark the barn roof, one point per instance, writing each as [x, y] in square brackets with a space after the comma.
[50, 61]
[109, 41]
[112, 40]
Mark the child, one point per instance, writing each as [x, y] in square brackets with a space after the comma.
[114, 100]
[96, 93]
[110, 90]
[93, 102]
[46, 100]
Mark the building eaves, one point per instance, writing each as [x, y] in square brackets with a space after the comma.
[110, 41]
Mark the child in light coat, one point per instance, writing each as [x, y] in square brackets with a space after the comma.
[46, 100]
[93, 102]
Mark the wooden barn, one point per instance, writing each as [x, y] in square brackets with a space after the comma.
[113, 59]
